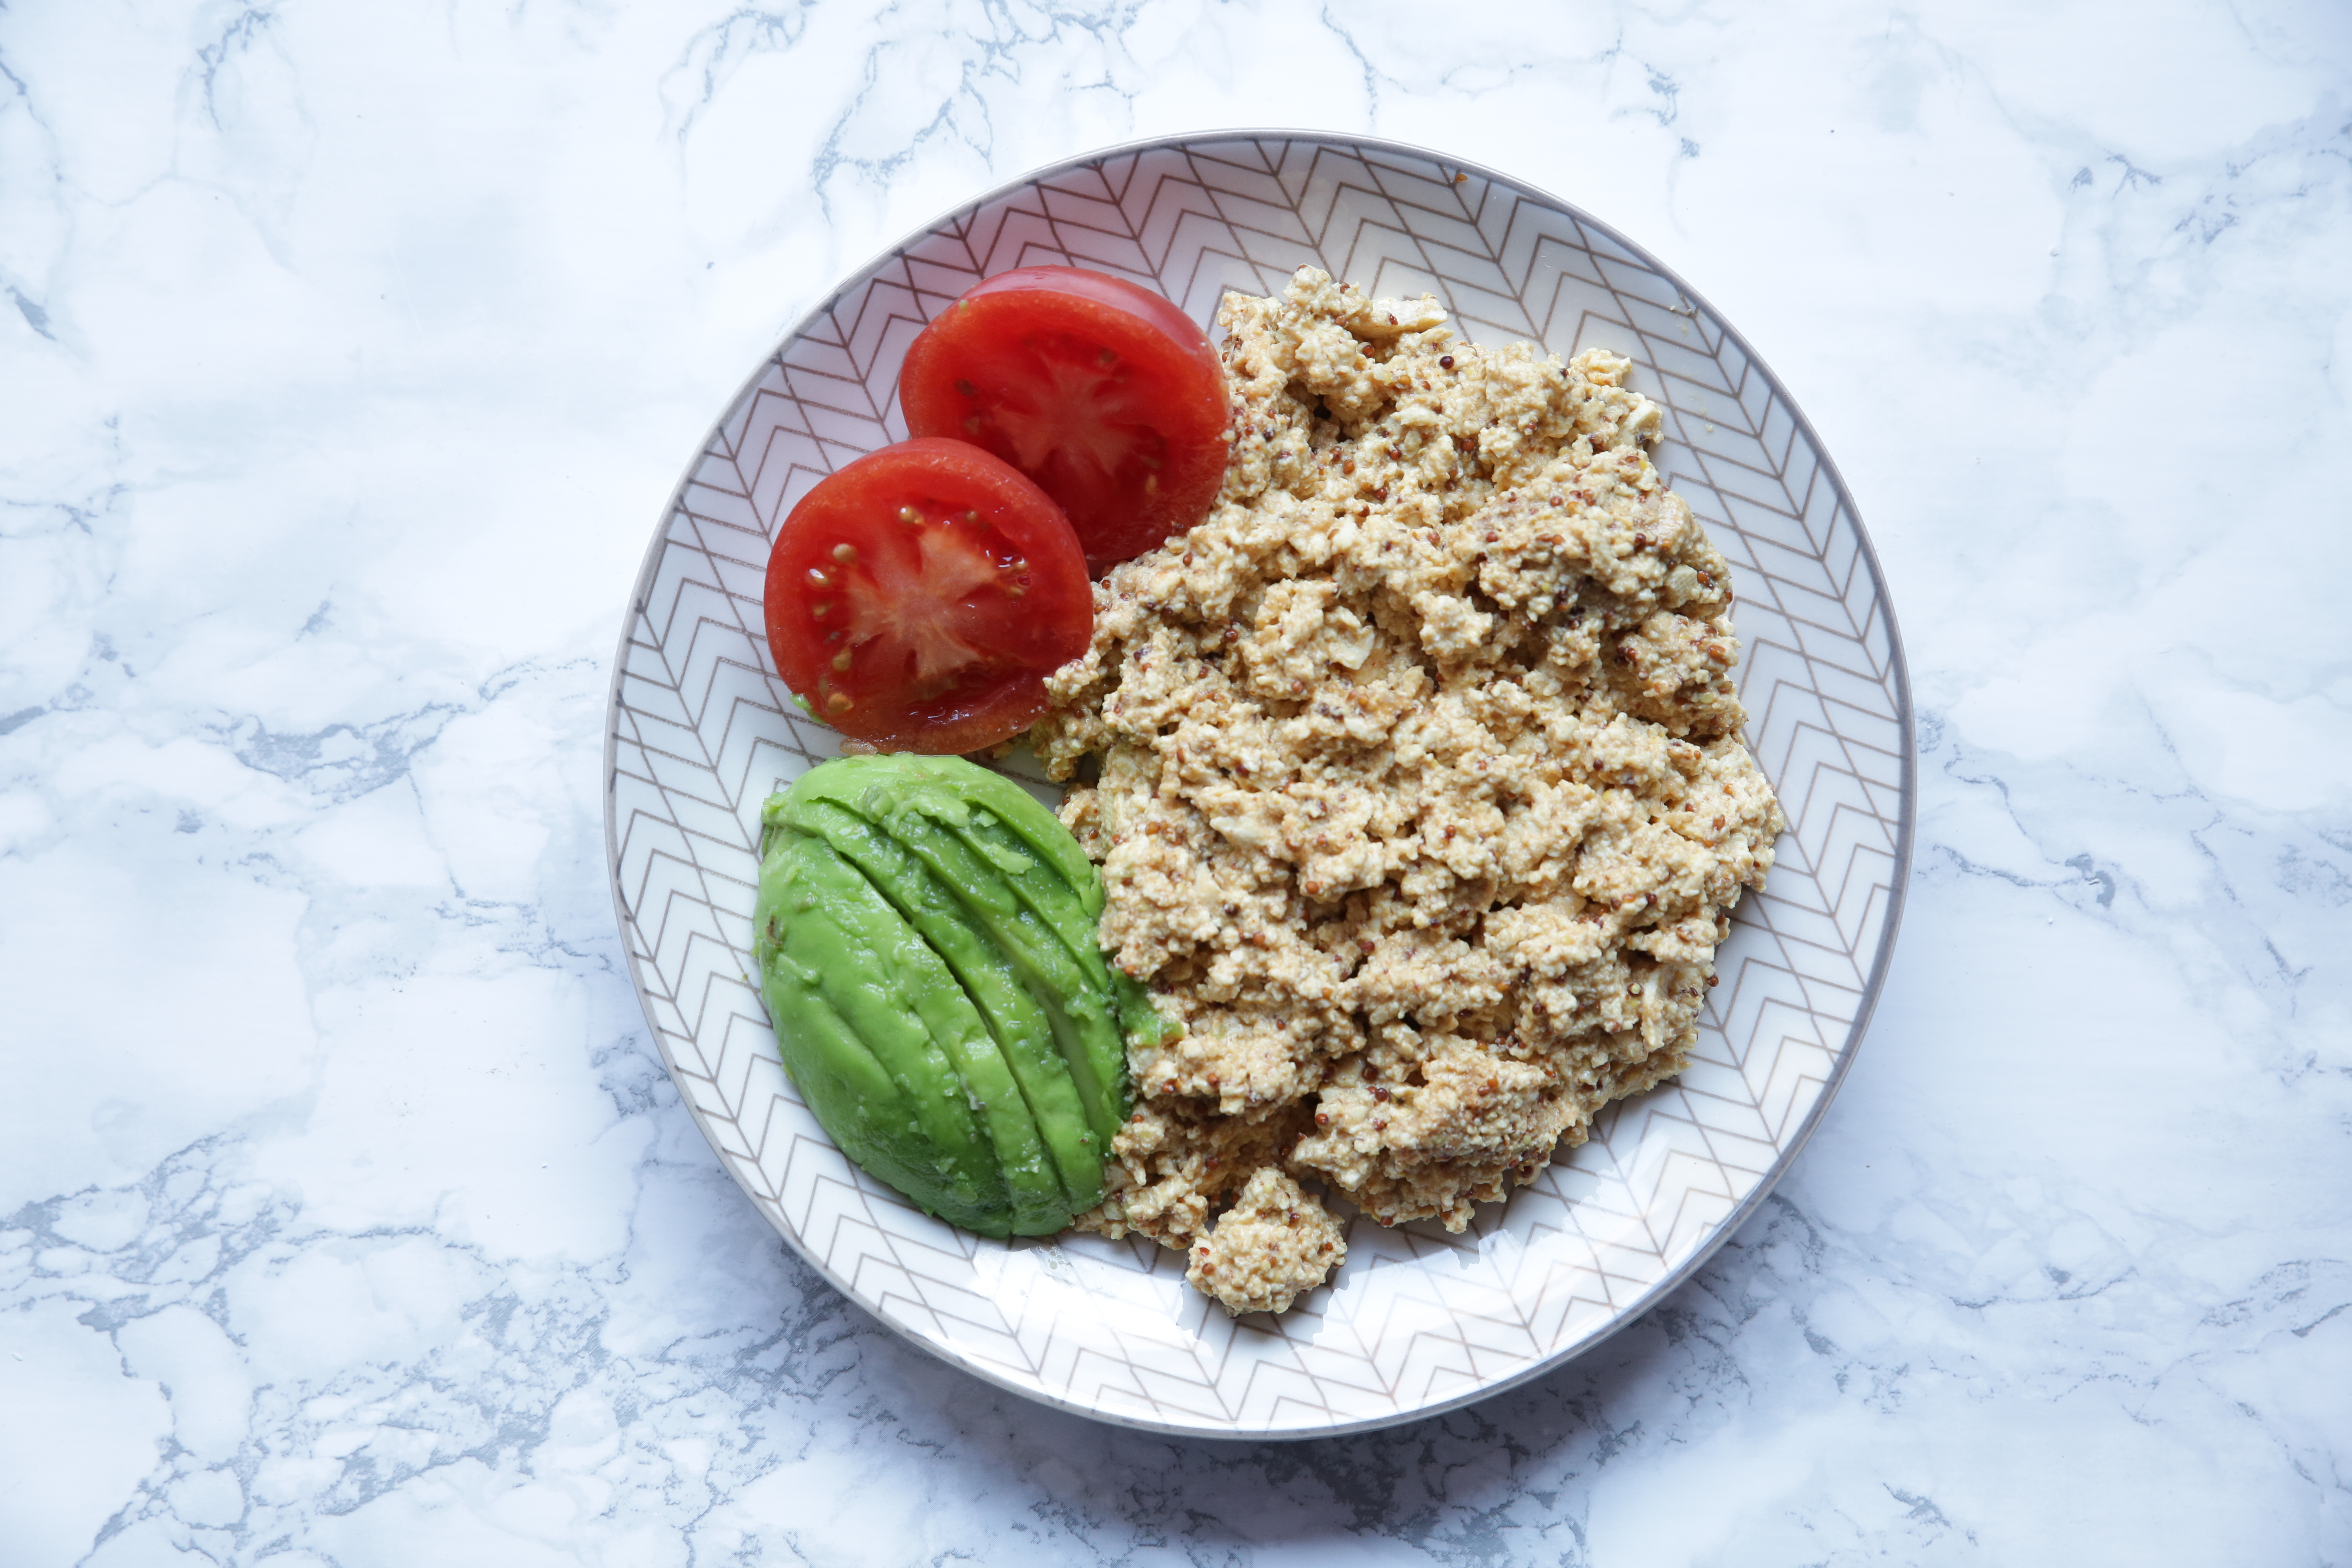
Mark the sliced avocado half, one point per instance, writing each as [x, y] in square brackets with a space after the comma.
[1022, 1031]
[1018, 898]
[936, 926]
[889, 984]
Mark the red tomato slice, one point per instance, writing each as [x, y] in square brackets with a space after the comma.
[917, 598]
[1104, 394]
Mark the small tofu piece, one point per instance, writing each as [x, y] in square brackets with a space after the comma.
[1272, 1247]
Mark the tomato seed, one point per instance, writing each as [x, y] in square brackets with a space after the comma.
[817, 579]
[844, 553]
[838, 703]
[910, 517]
[821, 608]
[841, 660]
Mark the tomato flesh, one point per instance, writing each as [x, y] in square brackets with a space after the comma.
[917, 598]
[1104, 394]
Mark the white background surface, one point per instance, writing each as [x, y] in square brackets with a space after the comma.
[347, 355]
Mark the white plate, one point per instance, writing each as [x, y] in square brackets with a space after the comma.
[1417, 1320]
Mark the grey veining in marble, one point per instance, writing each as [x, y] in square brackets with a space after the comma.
[346, 356]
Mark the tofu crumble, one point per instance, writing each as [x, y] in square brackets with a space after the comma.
[1414, 775]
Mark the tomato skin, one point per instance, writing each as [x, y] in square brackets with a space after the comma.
[1107, 394]
[934, 635]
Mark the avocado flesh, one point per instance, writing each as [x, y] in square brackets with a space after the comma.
[1079, 1010]
[1038, 886]
[950, 923]
[973, 1070]
[903, 777]
[850, 1094]
[1023, 1030]
[827, 915]
[1008, 828]
[947, 812]
[1054, 901]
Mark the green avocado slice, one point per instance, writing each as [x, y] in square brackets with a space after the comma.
[917, 809]
[824, 912]
[853, 1099]
[1053, 900]
[1037, 885]
[1010, 826]
[1085, 1027]
[975, 1071]
[1023, 814]
[1023, 1029]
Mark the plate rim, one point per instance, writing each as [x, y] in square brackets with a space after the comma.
[1873, 983]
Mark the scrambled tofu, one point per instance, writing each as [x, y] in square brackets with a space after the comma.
[1414, 771]
[1274, 1244]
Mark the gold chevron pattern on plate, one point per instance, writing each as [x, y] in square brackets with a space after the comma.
[1418, 1321]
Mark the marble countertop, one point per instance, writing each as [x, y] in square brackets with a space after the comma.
[347, 355]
